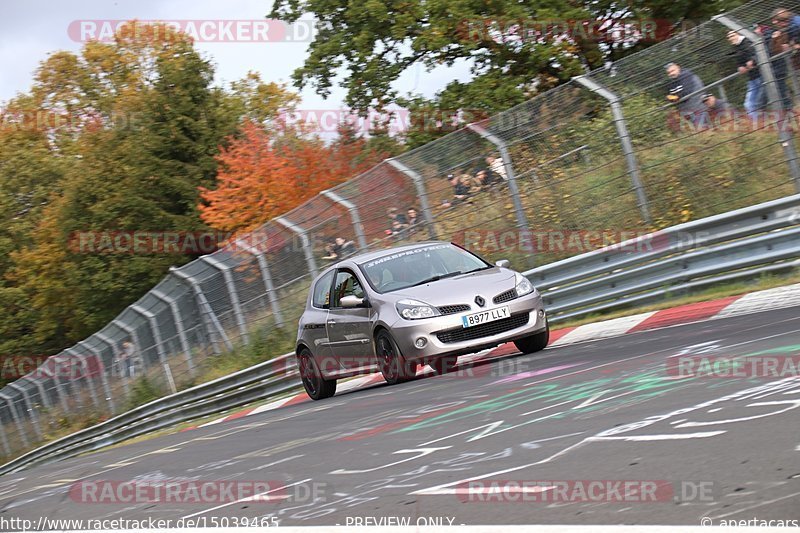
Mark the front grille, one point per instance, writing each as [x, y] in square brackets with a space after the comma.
[505, 296]
[483, 330]
[452, 309]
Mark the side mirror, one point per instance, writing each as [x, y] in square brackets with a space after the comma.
[503, 263]
[352, 301]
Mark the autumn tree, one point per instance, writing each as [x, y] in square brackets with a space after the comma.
[263, 174]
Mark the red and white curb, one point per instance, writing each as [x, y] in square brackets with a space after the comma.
[753, 302]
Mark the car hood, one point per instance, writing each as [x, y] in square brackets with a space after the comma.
[460, 289]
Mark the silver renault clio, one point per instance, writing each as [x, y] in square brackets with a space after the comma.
[423, 303]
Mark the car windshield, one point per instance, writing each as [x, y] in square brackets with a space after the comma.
[407, 268]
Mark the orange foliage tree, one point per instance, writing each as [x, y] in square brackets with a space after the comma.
[262, 175]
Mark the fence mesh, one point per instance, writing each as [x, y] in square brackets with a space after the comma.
[605, 154]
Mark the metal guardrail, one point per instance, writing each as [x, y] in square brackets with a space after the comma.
[741, 243]
[745, 242]
[270, 378]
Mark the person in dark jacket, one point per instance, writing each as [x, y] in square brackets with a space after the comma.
[782, 39]
[682, 83]
[746, 63]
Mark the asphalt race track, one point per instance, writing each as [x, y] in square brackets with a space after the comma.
[611, 410]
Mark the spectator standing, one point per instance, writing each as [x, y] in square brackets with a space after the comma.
[412, 217]
[682, 83]
[343, 247]
[780, 40]
[496, 167]
[746, 64]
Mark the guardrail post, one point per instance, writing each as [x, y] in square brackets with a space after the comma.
[87, 373]
[111, 344]
[103, 377]
[225, 270]
[179, 326]
[213, 327]
[307, 249]
[419, 184]
[17, 420]
[773, 93]
[354, 216]
[625, 140]
[266, 275]
[34, 418]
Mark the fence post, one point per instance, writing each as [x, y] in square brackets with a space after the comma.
[225, 270]
[354, 216]
[34, 418]
[62, 397]
[103, 377]
[40, 386]
[153, 323]
[17, 420]
[624, 139]
[307, 249]
[87, 374]
[773, 93]
[176, 317]
[111, 344]
[522, 221]
[266, 276]
[419, 184]
[3, 437]
[213, 327]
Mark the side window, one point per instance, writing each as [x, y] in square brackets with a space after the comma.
[347, 284]
[322, 291]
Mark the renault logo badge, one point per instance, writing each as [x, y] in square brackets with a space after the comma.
[480, 301]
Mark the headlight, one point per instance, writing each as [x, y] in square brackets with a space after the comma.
[414, 309]
[523, 285]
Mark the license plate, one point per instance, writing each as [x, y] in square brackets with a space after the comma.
[483, 317]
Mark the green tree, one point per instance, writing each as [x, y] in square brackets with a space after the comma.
[145, 124]
[373, 42]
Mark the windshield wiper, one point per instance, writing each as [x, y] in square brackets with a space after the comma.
[436, 278]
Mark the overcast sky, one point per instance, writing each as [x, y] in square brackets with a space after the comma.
[33, 28]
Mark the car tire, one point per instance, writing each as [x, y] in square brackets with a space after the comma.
[534, 343]
[444, 365]
[317, 387]
[393, 365]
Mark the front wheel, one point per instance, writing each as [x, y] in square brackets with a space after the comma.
[393, 365]
[534, 343]
[317, 387]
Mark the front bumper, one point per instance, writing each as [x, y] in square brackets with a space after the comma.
[406, 332]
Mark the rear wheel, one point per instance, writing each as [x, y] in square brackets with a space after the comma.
[393, 365]
[534, 343]
[317, 387]
[443, 365]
